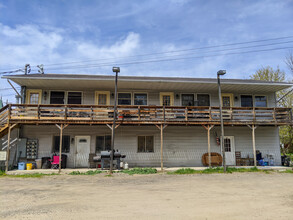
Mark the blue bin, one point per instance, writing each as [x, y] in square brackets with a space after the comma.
[21, 165]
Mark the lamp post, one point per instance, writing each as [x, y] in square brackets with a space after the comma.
[221, 73]
[115, 70]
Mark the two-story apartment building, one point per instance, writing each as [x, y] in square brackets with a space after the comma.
[185, 109]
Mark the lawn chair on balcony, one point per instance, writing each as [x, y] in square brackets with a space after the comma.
[55, 162]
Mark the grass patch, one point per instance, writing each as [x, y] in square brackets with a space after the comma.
[140, 171]
[29, 175]
[90, 172]
[109, 175]
[286, 171]
[217, 170]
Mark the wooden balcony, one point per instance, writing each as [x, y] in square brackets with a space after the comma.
[128, 115]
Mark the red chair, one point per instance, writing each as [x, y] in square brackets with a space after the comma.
[55, 162]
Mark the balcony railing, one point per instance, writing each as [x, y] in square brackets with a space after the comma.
[94, 114]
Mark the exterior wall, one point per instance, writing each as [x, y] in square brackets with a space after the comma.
[183, 146]
[154, 97]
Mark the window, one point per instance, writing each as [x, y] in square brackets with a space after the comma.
[102, 99]
[246, 101]
[124, 98]
[57, 97]
[166, 100]
[203, 99]
[74, 98]
[145, 144]
[187, 99]
[227, 144]
[34, 98]
[103, 143]
[140, 99]
[65, 144]
[260, 101]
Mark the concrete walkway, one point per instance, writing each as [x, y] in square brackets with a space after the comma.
[69, 170]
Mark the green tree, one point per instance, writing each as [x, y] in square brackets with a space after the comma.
[269, 74]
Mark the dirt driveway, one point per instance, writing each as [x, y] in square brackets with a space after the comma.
[157, 196]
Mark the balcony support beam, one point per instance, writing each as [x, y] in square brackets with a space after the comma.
[8, 146]
[161, 128]
[209, 128]
[253, 127]
[61, 128]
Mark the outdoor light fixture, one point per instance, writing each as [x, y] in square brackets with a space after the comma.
[115, 70]
[221, 73]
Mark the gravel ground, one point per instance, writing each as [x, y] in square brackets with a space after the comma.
[157, 196]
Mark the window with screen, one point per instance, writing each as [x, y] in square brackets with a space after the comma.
[203, 99]
[74, 98]
[124, 98]
[260, 101]
[56, 97]
[187, 99]
[246, 101]
[65, 144]
[140, 99]
[103, 143]
[145, 144]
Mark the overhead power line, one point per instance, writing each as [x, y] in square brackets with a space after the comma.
[174, 51]
[165, 60]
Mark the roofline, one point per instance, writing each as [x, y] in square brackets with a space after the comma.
[148, 79]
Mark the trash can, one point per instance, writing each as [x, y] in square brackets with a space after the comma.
[39, 163]
[21, 165]
[63, 161]
[46, 163]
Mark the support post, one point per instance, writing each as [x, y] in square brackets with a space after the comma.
[161, 128]
[209, 128]
[61, 128]
[60, 147]
[253, 144]
[253, 127]
[8, 146]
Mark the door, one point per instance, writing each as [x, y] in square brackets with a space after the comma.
[33, 96]
[229, 151]
[167, 98]
[227, 100]
[102, 98]
[82, 151]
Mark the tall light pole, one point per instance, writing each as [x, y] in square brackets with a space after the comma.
[221, 73]
[115, 70]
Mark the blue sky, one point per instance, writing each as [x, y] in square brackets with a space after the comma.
[60, 31]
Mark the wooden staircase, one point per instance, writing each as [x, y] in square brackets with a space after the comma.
[3, 121]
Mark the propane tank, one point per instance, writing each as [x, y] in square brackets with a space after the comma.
[121, 164]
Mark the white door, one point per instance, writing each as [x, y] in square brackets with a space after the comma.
[229, 151]
[82, 151]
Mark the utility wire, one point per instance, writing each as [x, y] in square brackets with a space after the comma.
[165, 60]
[175, 51]
[222, 50]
